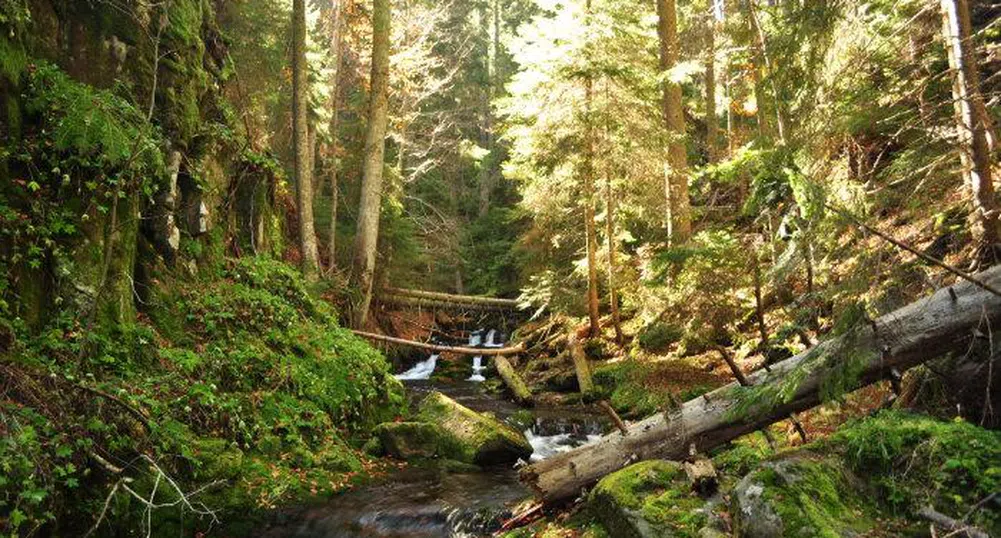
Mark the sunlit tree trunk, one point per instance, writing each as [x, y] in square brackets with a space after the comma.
[712, 128]
[676, 171]
[300, 141]
[588, 173]
[492, 46]
[767, 105]
[366, 238]
[336, 44]
[973, 126]
[613, 294]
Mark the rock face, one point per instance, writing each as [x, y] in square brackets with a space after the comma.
[481, 439]
[801, 495]
[649, 499]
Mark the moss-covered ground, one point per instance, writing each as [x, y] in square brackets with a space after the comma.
[240, 382]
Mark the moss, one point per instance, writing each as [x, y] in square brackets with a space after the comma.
[650, 496]
[914, 460]
[812, 498]
[483, 439]
[411, 440]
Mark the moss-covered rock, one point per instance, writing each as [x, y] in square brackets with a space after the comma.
[650, 498]
[800, 495]
[482, 439]
[413, 440]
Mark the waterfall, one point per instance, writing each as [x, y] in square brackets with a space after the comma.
[421, 370]
[475, 339]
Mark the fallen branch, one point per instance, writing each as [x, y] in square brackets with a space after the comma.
[954, 526]
[485, 352]
[926, 329]
[421, 302]
[616, 419]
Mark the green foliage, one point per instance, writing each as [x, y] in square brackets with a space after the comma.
[86, 150]
[658, 336]
[916, 460]
[703, 275]
[811, 497]
[257, 386]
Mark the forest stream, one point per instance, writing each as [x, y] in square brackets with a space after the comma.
[432, 502]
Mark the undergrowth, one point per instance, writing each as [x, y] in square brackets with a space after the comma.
[240, 380]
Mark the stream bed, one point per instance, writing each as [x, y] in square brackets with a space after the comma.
[429, 503]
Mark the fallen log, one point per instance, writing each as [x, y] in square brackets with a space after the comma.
[452, 298]
[513, 381]
[581, 366]
[944, 322]
[485, 352]
[422, 302]
[953, 526]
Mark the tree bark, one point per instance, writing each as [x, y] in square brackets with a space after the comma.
[336, 45]
[676, 169]
[944, 322]
[973, 126]
[300, 141]
[367, 236]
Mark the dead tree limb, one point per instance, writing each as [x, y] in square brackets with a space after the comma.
[485, 352]
[926, 329]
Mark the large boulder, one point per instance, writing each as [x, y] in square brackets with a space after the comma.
[414, 440]
[801, 495]
[650, 499]
[480, 439]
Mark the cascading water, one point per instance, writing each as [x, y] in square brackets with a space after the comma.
[421, 370]
[475, 339]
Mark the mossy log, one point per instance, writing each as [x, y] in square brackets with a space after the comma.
[947, 321]
[513, 381]
[581, 366]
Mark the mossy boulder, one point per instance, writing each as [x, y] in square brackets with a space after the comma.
[800, 495]
[481, 439]
[413, 440]
[649, 499]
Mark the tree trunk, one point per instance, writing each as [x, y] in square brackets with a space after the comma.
[336, 45]
[973, 126]
[300, 141]
[946, 321]
[491, 11]
[590, 229]
[676, 170]
[613, 299]
[712, 127]
[367, 236]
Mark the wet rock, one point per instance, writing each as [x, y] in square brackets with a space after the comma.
[649, 499]
[480, 439]
[801, 495]
[412, 440]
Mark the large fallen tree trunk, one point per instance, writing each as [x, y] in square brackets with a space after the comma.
[945, 322]
[483, 351]
[451, 298]
[435, 304]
